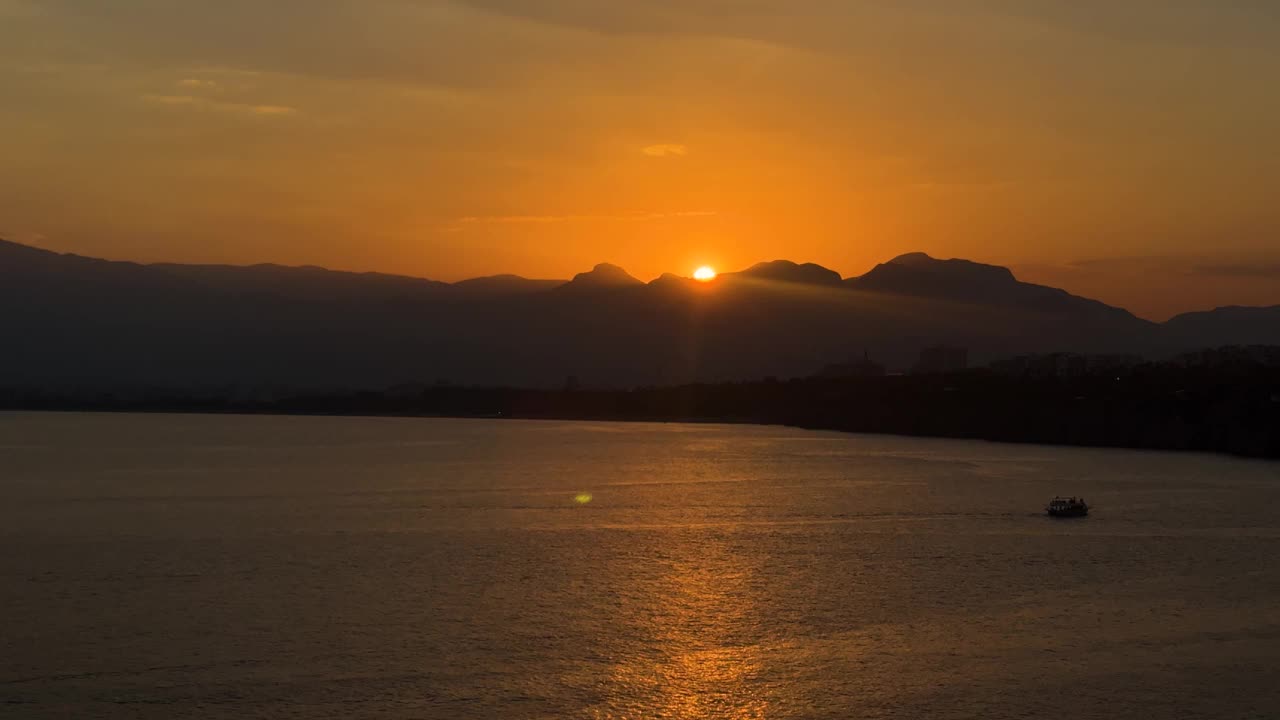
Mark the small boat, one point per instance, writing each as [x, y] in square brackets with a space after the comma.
[1067, 507]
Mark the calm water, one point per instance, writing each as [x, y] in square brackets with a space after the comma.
[167, 566]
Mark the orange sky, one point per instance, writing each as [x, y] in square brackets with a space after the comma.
[1128, 153]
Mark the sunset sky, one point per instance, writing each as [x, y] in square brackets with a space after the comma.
[1126, 150]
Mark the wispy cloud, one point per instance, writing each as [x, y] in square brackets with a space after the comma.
[1241, 270]
[24, 237]
[271, 109]
[473, 220]
[192, 101]
[944, 186]
[630, 217]
[226, 71]
[198, 84]
[173, 99]
[1237, 265]
[666, 150]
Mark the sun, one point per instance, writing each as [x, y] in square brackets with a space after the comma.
[706, 273]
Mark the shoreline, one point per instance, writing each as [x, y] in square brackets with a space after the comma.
[656, 420]
[1158, 408]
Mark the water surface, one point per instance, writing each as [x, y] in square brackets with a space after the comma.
[264, 567]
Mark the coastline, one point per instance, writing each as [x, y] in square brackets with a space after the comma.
[1240, 418]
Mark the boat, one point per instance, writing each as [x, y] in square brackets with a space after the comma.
[1067, 507]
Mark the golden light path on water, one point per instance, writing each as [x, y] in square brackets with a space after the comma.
[705, 658]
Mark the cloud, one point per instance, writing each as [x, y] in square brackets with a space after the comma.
[516, 219]
[585, 217]
[174, 99]
[1227, 265]
[1242, 267]
[1239, 270]
[24, 237]
[946, 186]
[339, 40]
[191, 101]
[197, 84]
[1128, 262]
[570, 218]
[270, 109]
[666, 150]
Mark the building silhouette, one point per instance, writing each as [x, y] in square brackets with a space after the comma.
[862, 367]
[1066, 365]
[942, 359]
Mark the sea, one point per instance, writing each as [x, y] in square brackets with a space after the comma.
[217, 566]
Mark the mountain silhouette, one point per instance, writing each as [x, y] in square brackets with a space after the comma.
[505, 285]
[307, 282]
[87, 323]
[1226, 326]
[919, 275]
[603, 275]
[788, 272]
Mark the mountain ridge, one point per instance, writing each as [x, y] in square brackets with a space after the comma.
[89, 321]
[881, 277]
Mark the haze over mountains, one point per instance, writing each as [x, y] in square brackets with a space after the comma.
[79, 322]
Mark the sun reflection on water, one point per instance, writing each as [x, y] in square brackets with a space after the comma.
[700, 656]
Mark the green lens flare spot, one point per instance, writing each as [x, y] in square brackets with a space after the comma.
[582, 498]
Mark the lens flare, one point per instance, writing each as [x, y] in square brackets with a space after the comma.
[582, 498]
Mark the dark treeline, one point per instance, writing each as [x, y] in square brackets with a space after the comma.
[1153, 407]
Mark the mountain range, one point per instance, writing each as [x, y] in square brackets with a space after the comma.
[78, 322]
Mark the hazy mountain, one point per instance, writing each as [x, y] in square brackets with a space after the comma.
[506, 285]
[28, 269]
[788, 272]
[1227, 326]
[306, 282]
[75, 321]
[602, 276]
[919, 275]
